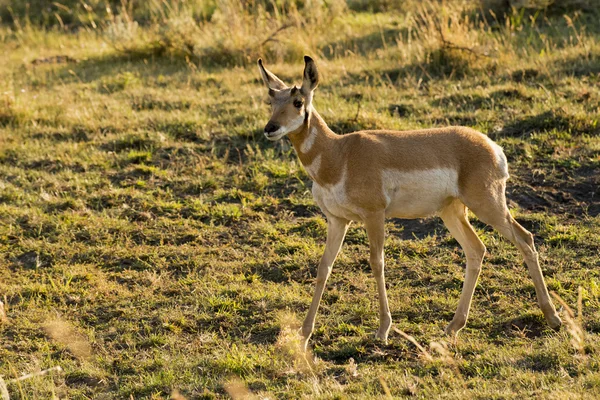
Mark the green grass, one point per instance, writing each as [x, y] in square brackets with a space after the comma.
[142, 210]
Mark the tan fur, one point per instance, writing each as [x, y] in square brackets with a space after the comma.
[369, 175]
[366, 153]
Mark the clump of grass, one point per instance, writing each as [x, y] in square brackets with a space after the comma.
[122, 81]
[12, 114]
[175, 395]
[505, 9]
[4, 390]
[190, 131]
[450, 45]
[238, 390]
[3, 317]
[235, 34]
[147, 102]
[4, 394]
[443, 354]
[138, 141]
[225, 213]
[291, 347]
[71, 14]
[574, 322]
[139, 156]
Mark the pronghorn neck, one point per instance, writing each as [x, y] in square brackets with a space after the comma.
[314, 128]
[315, 144]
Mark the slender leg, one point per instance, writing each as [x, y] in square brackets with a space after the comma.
[496, 214]
[455, 219]
[523, 239]
[336, 231]
[376, 233]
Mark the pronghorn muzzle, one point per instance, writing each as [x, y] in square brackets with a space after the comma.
[271, 128]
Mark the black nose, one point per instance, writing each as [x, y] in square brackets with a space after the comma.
[271, 127]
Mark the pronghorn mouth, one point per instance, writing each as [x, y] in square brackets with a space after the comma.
[274, 136]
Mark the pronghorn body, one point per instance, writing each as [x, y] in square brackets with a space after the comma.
[408, 174]
[370, 175]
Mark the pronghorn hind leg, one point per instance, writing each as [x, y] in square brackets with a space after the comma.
[496, 214]
[375, 226]
[455, 218]
[336, 231]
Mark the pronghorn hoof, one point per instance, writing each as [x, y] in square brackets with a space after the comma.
[449, 331]
[381, 337]
[454, 327]
[555, 322]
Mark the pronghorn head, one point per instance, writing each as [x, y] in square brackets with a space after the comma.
[290, 106]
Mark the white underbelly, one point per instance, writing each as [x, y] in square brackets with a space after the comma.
[417, 194]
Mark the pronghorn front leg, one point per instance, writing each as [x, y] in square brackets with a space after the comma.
[336, 231]
[376, 232]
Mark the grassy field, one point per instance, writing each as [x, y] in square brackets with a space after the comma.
[154, 244]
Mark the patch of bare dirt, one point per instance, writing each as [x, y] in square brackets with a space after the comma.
[575, 192]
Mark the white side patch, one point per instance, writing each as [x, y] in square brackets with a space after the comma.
[339, 189]
[309, 141]
[313, 168]
[415, 194]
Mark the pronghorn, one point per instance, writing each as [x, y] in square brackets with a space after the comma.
[370, 175]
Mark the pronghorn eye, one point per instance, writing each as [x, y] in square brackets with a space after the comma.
[297, 103]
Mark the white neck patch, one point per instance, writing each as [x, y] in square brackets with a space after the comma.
[309, 141]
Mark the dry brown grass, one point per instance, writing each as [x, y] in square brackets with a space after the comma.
[573, 322]
[237, 390]
[65, 334]
[3, 317]
[290, 346]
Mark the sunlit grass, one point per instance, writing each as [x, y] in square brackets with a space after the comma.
[154, 243]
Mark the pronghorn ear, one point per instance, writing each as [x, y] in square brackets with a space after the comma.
[311, 76]
[269, 78]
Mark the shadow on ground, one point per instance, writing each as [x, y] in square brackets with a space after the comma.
[546, 121]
